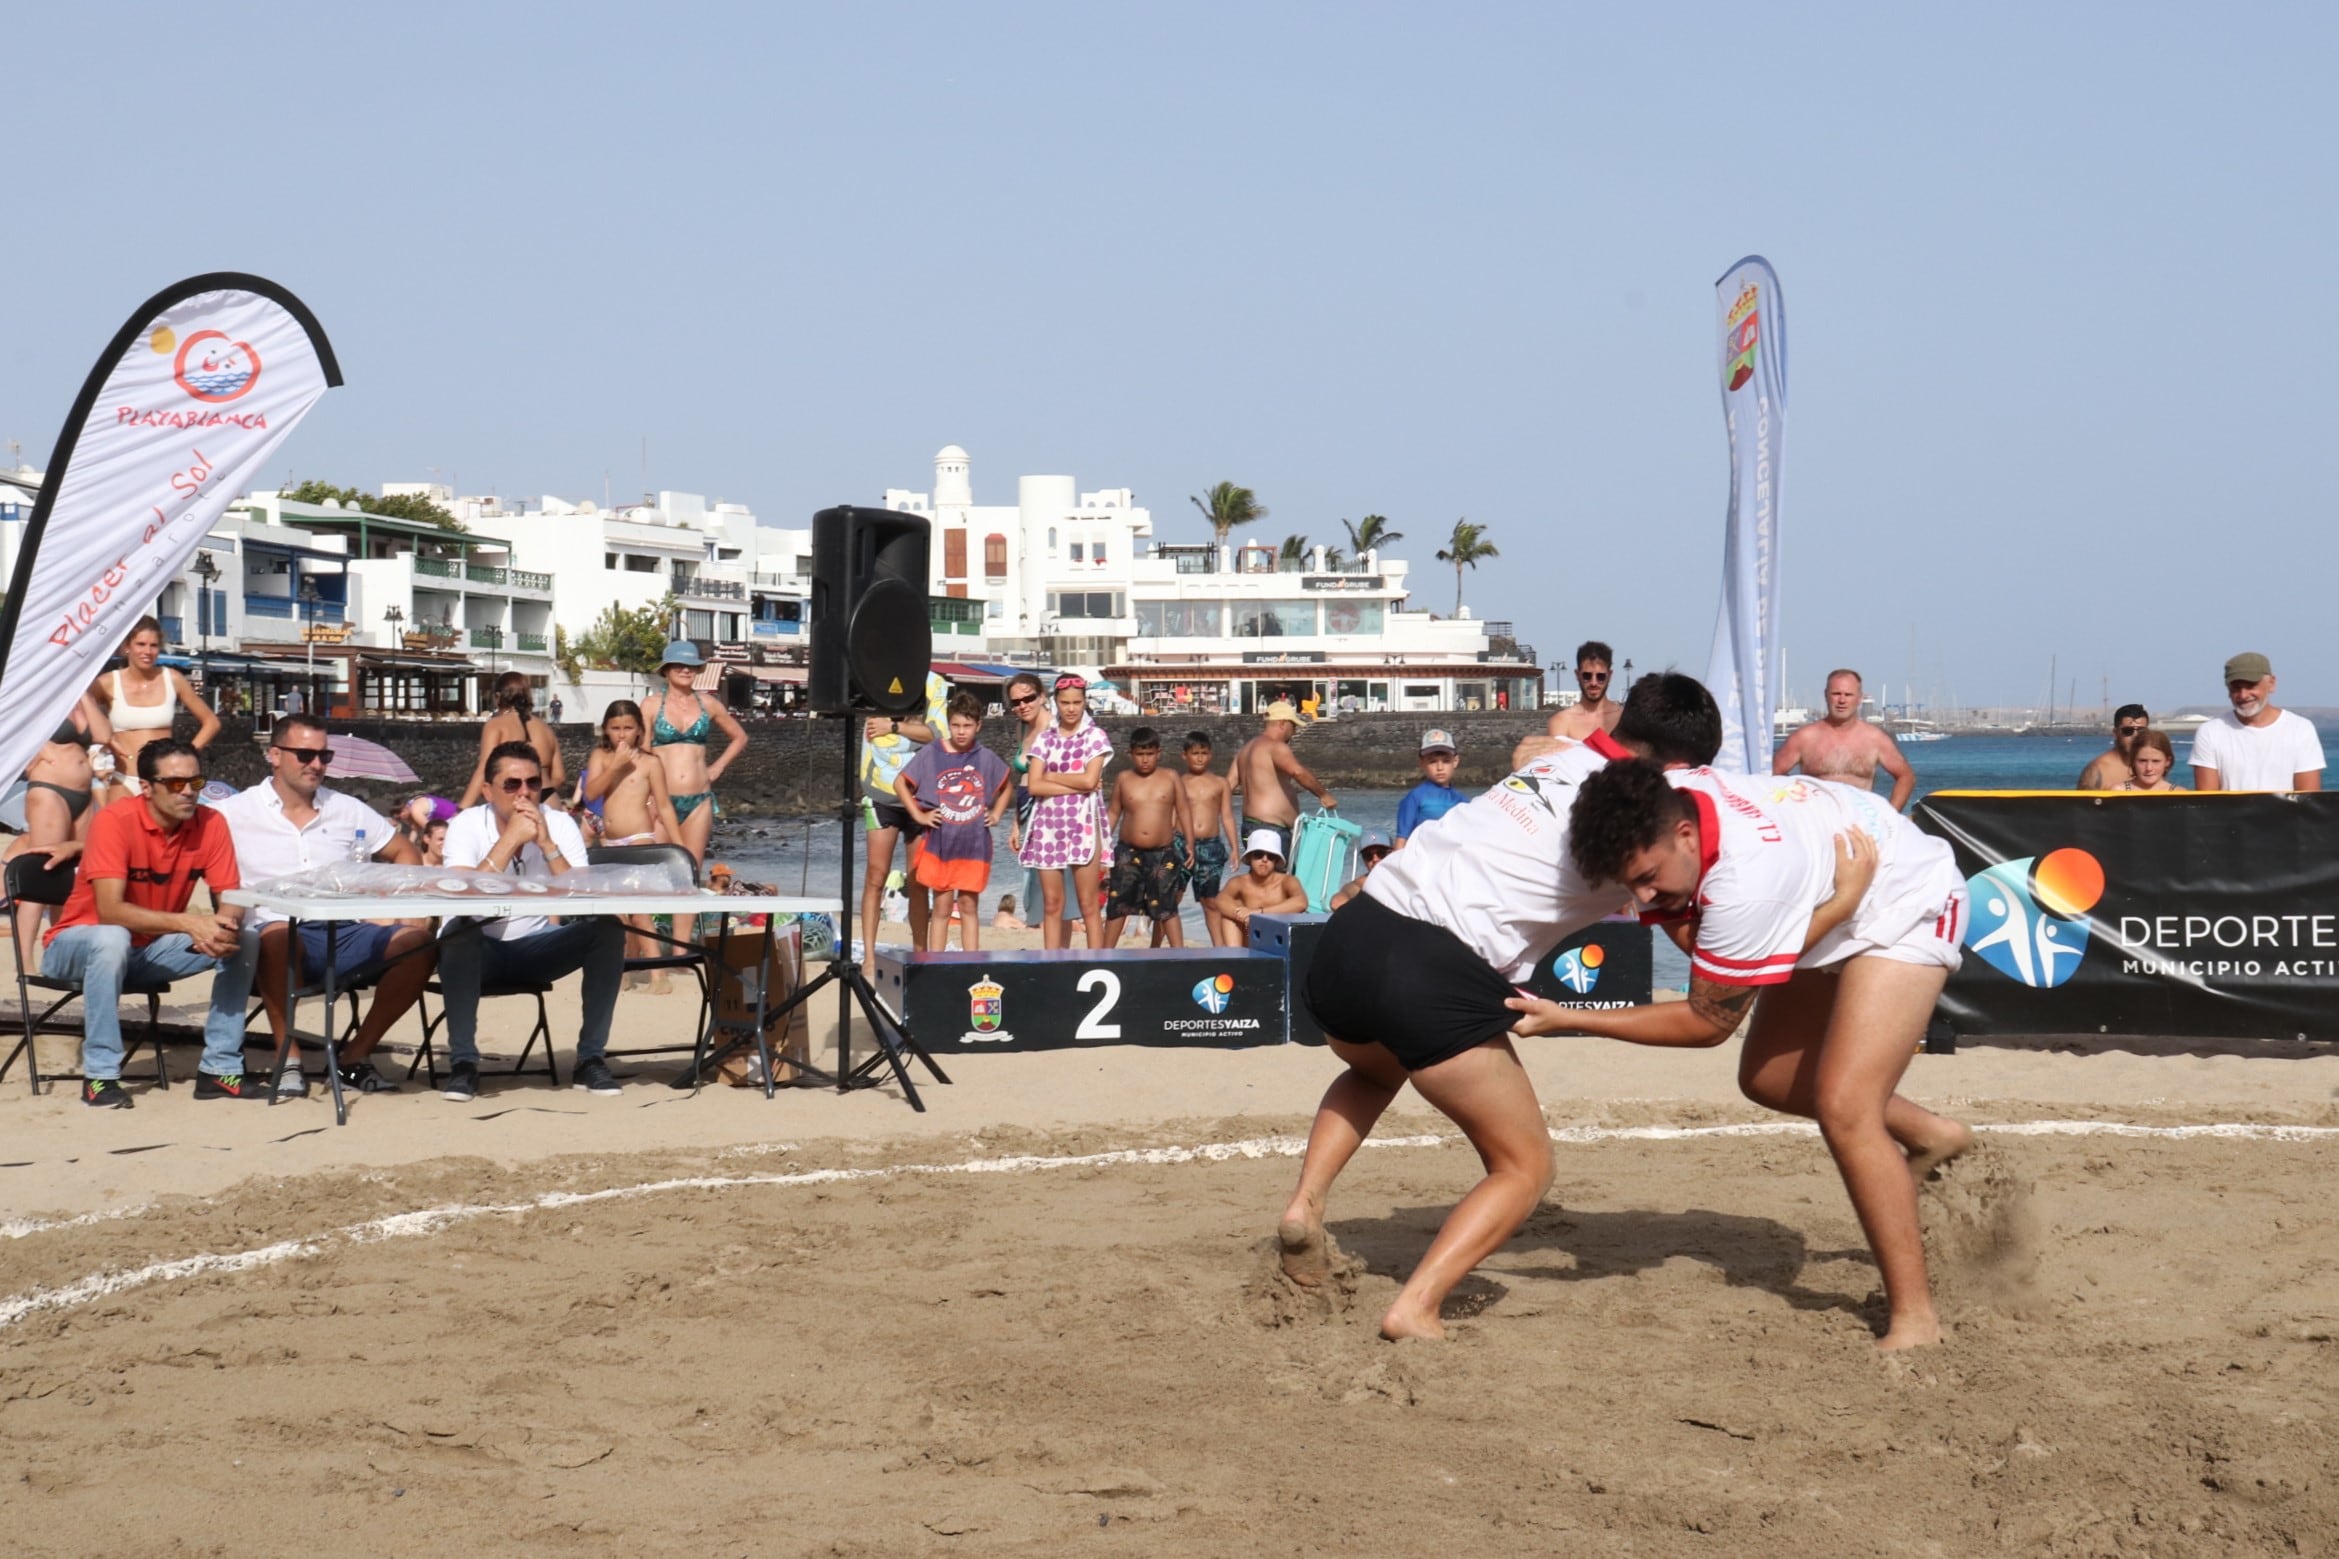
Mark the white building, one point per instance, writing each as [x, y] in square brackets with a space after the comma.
[1068, 578]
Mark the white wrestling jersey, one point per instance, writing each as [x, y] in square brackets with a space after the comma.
[1496, 872]
[1769, 854]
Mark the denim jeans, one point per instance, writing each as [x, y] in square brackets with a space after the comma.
[470, 962]
[103, 960]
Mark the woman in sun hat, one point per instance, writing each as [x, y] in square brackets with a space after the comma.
[682, 721]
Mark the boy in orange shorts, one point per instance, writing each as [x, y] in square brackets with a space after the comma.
[956, 790]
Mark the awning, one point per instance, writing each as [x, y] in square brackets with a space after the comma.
[777, 673]
[409, 663]
[975, 671]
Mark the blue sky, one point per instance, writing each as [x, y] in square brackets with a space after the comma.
[2056, 281]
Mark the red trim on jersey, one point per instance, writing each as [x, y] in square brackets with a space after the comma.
[1709, 834]
[1768, 977]
[1607, 746]
[1747, 963]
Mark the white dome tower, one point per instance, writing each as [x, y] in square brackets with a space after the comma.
[953, 487]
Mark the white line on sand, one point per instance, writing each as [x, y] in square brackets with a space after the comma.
[430, 1220]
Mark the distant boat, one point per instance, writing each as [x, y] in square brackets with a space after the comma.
[1908, 728]
[1788, 719]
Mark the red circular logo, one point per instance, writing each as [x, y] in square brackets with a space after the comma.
[210, 367]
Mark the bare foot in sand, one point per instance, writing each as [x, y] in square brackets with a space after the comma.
[1915, 1332]
[1303, 1247]
[1402, 1322]
[1930, 1156]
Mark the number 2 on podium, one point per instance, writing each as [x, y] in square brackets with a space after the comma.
[1093, 1026]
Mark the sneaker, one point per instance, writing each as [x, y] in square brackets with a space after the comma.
[230, 1085]
[362, 1077]
[106, 1093]
[462, 1082]
[293, 1085]
[594, 1076]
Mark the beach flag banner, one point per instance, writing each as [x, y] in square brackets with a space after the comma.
[180, 414]
[1743, 670]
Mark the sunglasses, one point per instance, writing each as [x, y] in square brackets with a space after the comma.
[1018, 703]
[521, 787]
[317, 755]
[1591, 676]
[178, 784]
[2133, 730]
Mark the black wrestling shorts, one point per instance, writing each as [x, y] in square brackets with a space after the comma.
[1382, 978]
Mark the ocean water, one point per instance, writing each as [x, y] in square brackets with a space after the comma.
[802, 855]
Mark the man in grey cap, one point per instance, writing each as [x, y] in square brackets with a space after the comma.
[2255, 746]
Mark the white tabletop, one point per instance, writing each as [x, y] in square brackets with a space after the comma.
[482, 906]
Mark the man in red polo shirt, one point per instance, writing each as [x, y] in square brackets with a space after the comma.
[127, 924]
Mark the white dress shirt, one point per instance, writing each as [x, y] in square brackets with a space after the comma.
[268, 845]
[472, 835]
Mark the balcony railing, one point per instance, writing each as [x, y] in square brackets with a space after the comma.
[769, 628]
[438, 568]
[524, 579]
[710, 589]
[286, 607]
[481, 574]
[487, 638]
[532, 643]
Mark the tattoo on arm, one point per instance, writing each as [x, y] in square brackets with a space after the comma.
[1724, 1006]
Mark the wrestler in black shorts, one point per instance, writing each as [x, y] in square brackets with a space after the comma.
[1414, 988]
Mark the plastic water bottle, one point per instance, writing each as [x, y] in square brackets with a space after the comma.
[358, 853]
[868, 816]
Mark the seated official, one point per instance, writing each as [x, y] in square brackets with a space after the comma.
[127, 920]
[291, 823]
[511, 833]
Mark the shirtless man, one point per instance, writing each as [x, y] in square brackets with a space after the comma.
[1595, 711]
[1845, 747]
[1264, 888]
[2112, 768]
[1148, 818]
[1269, 777]
[1210, 807]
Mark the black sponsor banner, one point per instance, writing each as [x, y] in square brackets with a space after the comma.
[1607, 965]
[2213, 915]
[1222, 997]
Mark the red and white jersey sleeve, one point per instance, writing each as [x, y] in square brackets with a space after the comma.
[1753, 904]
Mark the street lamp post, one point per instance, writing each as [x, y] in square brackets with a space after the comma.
[394, 615]
[205, 572]
[308, 633]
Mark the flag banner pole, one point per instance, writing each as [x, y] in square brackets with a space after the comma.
[1743, 670]
[183, 410]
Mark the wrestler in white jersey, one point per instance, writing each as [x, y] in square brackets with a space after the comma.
[1770, 861]
[1497, 874]
[1744, 862]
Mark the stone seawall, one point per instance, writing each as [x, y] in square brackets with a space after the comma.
[790, 768]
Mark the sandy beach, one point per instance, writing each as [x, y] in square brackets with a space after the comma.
[1044, 1313]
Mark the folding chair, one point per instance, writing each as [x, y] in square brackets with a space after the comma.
[32, 882]
[677, 956]
[426, 1056]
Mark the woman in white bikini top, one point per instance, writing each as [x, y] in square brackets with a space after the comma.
[135, 714]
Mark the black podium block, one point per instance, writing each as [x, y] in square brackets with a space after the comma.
[1217, 997]
[1607, 965]
[1293, 939]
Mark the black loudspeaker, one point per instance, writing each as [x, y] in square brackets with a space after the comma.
[871, 641]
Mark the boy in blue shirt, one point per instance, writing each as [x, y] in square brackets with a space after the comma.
[1435, 796]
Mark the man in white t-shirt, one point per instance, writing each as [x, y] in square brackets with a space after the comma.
[1740, 863]
[510, 834]
[291, 823]
[2256, 746]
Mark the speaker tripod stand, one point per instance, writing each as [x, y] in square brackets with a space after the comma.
[895, 1048]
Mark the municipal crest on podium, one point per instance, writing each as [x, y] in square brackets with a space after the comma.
[986, 1010]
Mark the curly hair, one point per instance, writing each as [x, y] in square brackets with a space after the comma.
[1620, 811]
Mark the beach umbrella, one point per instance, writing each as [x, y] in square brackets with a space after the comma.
[356, 758]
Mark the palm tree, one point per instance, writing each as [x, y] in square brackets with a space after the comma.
[1463, 549]
[1293, 555]
[1370, 534]
[1228, 506]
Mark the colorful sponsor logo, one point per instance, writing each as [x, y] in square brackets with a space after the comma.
[1744, 338]
[2030, 916]
[1579, 968]
[1213, 994]
[986, 1005]
[211, 367]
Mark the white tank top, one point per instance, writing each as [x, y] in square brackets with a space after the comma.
[144, 717]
